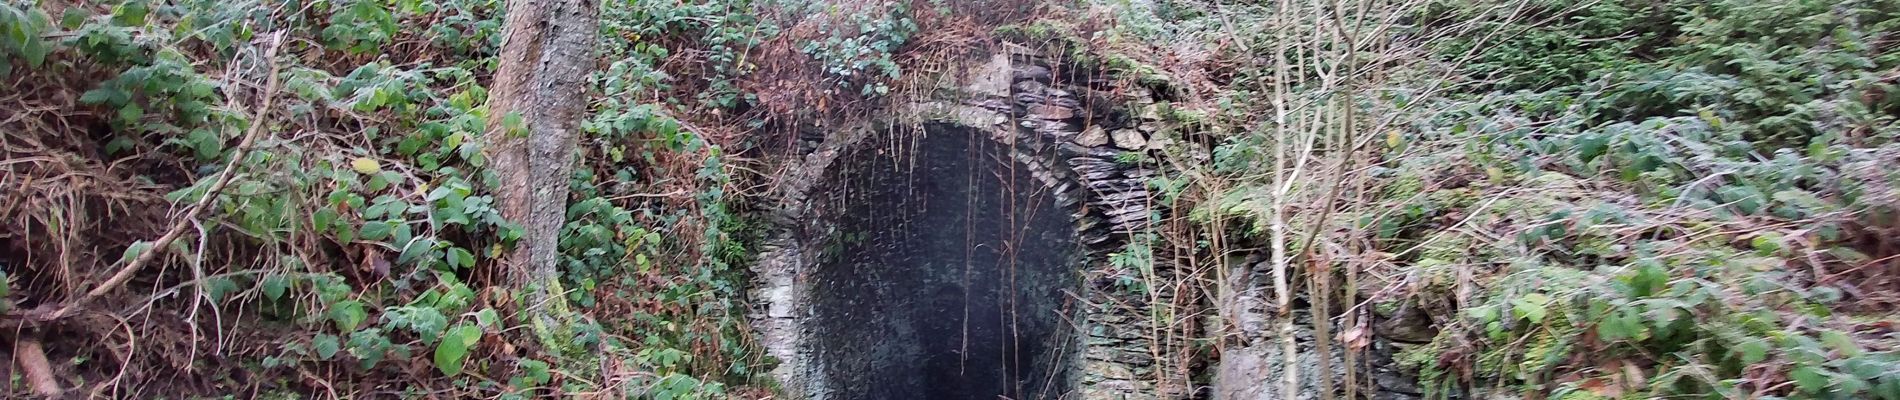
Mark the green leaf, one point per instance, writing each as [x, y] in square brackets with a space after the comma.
[487, 317]
[414, 250]
[460, 258]
[1766, 243]
[132, 252]
[1809, 379]
[1849, 385]
[402, 233]
[1888, 389]
[274, 286]
[1620, 326]
[348, 315]
[375, 230]
[323, 219]
[217, 288]
[119, 145]
[512, 125]
[1483, 314]
[1753, 351]
[1648, 279]
[326, 345]
[1840, 343]
[427, 322]
[1531, 307]
[96, 96]
[377, 182]
[369, 345]
[537, 371]
[131, 112]
[131, 13]
[1745, 199]
[453, 350]
[410, 145]
[1590, 146]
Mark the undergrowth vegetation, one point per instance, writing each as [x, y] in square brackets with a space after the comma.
[1659, 199]
[1573, 199]
[1645, 199]
[359, 241]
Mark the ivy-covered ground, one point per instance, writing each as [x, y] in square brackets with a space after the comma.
[1658, 199]
[1643, 199]
[1550, 198]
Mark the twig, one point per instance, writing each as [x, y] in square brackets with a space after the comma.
[675, 192]
[178, 228]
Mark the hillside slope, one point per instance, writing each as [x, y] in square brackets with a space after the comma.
[1384, 199]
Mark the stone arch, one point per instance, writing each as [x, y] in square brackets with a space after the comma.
[1081, 161]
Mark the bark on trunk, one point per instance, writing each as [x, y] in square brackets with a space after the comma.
[535, 106]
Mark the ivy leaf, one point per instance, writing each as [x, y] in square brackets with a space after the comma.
[96, 96]
[369, 345]
[1841, 343]
[414, 250]
[453, 351]
[274, 286]
[401, 233]
[513, 126]
[131, 112]
[1754, 351]
[1648, 280]
[130, 14]
[1590, 146]
[377, 230]
[537, 371]
[217, 288]
[1531, 307]
[1809, 379]
[1888, 389]
[323, 219]
[1766, 243]
[426, 322]
[348, 315]
[1745, 199]
[326, 345]
[1619, 326]
[460, 258]
[377, 182]
[487, 317]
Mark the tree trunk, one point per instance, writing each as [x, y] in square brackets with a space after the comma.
[535, 106]
[1282, 184]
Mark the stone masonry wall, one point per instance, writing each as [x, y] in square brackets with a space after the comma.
[1088, 154]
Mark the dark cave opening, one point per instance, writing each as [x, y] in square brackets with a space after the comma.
[943, 274]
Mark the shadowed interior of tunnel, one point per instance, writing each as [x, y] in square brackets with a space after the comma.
[941, 274]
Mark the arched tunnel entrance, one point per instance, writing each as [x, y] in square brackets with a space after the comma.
[941, 272]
